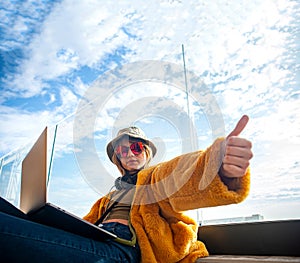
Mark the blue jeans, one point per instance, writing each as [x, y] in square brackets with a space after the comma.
[25, 241]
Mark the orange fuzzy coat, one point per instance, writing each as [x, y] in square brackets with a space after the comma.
[165, 234]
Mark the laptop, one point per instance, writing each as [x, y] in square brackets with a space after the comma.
[33, 198]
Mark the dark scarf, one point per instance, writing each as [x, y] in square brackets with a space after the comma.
[126, 181]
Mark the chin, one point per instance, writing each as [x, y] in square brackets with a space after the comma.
[132, 169]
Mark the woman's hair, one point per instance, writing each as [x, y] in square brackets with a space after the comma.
[118, 163]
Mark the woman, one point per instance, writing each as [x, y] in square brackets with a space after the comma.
[146, 209]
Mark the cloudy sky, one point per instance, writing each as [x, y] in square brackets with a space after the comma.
[91, 66]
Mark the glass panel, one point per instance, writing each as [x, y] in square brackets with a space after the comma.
[10, 174]
[67, 188]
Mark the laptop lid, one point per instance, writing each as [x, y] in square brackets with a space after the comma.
[34, 175]
[34, 196]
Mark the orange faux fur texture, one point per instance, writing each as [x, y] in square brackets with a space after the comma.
[165, 234]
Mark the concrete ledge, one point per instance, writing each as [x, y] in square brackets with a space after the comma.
[247, 259]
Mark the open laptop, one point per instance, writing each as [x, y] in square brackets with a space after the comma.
[33, 199]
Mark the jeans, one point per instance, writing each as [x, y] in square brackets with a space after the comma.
[24, 241]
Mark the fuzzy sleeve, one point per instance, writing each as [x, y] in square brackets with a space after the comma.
[191, 180]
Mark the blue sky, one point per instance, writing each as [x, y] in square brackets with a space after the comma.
[52, 52]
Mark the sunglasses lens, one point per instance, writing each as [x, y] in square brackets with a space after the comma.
[136, 148]
[122, 151]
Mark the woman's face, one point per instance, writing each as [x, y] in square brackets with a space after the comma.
[131, 161]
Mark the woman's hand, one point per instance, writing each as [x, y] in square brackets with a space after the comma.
[237, 152]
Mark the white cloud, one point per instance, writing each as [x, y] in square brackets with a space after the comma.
[19, 127]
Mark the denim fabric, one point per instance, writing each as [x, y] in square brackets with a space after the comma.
[119, 230]
[25, 241]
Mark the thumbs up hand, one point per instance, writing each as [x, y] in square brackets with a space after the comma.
[237, 152]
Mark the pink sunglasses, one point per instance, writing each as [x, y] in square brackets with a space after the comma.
[136, 148]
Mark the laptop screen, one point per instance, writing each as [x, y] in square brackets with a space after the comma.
[34, 174]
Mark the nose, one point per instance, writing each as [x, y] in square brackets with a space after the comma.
[130, 153]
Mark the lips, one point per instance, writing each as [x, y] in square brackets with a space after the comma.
[131, 162]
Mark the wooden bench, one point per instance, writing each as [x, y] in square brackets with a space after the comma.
[247, 259]
[274, 241]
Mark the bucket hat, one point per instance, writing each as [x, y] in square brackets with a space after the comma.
[131, 132]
